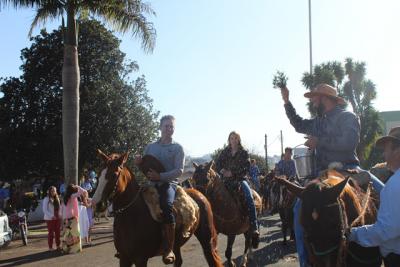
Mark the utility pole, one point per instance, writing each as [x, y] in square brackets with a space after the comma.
[309, 32]
[281, 143]
[266, 153]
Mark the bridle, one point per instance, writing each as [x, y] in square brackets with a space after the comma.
[342, 247]
[111, 196]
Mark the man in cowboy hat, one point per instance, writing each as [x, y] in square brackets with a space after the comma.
[385, 233]
[172, 157]
[334, 135]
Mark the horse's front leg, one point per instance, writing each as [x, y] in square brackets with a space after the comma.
[228, 251]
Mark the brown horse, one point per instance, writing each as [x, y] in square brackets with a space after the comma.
[229, 217]
[329, 207]
[137, 236]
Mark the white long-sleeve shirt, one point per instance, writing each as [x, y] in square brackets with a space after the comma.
[385, 233]
[48, 209]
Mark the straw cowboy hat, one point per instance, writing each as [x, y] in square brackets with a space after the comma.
[394, 136]
[324, 89]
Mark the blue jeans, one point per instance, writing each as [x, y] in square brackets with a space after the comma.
[166, 193]
[376, 183]
[256, 183]
[299, 235]
[251, 208]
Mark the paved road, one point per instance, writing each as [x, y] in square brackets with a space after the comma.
[271, 251]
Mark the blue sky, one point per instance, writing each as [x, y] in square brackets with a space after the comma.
[213, 63]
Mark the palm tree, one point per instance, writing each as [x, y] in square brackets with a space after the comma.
[123, 15]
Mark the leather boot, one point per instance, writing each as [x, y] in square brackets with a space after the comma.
[168, 243]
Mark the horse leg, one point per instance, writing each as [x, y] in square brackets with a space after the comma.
[208, 241]
[126, 262]
[228, 251]
[178, 257]
[206, 233]
[284, 226]
[247, 246]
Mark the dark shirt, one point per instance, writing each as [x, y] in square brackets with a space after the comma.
[286, 167]
[338, 133]
[238, 164]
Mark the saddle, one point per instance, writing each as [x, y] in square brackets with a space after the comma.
[362, 178]
[186, 210]
[233, 187]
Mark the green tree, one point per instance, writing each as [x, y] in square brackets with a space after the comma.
[127, 15]
[117, 113]
[352, 84]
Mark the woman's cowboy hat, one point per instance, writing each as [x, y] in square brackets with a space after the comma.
[324, 89]
[394, 136]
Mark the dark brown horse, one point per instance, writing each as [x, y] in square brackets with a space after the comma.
[329, 207]
[137, 237]
[229, 217]
[280, 199]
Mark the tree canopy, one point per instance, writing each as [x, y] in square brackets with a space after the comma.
[116, 111]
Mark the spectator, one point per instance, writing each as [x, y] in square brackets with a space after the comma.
[37, 188]
[286, 165]
[83, 219]
[93, 178]
[62, 186]
[254, 173]
[71, 241]
[52, 216]
[385, 233]
[87, 185]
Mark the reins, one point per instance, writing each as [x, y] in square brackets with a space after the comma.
[342, 247]
[113, 193]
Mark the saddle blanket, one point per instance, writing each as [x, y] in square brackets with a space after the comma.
[185, 208]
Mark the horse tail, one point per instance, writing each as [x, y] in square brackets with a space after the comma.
[206, 232]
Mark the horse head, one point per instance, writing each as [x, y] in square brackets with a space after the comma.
[203, 175]
[113, 179]
[324, 218]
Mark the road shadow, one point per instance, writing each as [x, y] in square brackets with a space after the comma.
[30, 258]
[272, 253]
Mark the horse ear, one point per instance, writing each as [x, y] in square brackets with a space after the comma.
[334, 192]
[292, 187]
[123, 159]
[209, 165]
[195, 165]
[103, 156]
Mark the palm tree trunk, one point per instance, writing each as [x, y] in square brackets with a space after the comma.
[70, 103]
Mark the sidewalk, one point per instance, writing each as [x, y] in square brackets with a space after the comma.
[36, 253]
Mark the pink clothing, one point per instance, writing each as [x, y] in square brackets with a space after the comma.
[71, 209]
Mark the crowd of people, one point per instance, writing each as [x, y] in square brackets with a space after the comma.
[69, 216]
[333, 134]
